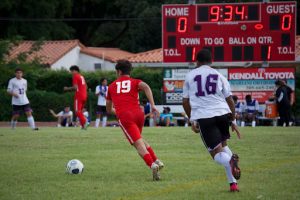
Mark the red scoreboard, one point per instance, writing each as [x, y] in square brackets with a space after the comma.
[233, 32]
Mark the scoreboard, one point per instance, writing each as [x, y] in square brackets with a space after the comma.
[233, 32]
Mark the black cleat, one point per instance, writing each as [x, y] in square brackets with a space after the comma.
[235, 170]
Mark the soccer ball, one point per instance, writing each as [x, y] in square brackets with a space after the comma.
[74, 167]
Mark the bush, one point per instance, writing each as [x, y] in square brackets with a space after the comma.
[45, 88]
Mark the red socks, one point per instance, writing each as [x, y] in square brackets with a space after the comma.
[148, 159]
[150, 150]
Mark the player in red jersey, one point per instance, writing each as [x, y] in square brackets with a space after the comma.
[123, 100]
[80, 97]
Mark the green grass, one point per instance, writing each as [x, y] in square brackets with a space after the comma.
[32, 165]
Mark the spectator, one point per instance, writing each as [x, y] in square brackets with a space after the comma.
[86, 115]
[64, 117]
[251, 108]
[283, 103]
[238, 109]
[290, 96]
[147, 112]
[101, 92]
[166, 117]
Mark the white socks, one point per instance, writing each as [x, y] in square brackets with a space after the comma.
[104, 119]
[223, 158]
[227, 150]
[31, 122]
[151, 122]
[97, 123]
[242, 124]
[13, 124]
[253, 124]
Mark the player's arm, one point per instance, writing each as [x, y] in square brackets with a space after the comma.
[145, 87]
[231, 105]
[53, 113]
[75, 82]
[226, 90]
[10, 90]
[97, 92]
[109, 107]
[73, 88]
[292, 98]
[186, 106]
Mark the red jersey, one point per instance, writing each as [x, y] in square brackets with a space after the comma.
[124, 93]
[81, 92]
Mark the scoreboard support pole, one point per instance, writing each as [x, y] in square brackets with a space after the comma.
[191, 65]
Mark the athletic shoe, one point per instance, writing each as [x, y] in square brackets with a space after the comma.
[86, 125]
[160, 164]
[35, 129]
[234, 187]
[155, 173]
[235, 170]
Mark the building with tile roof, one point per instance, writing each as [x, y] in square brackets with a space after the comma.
[61, 54]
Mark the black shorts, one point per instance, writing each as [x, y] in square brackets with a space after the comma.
[101, 110]
[20, 109]
[214, 131]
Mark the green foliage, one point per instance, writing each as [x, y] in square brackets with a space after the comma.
[34, 30]
[45, 88]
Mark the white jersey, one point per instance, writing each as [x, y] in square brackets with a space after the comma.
[63, 113]
[102, 95]
[18, 86]
[206, 89]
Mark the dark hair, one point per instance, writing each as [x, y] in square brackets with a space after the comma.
[235, 98]
[124, 66]
[102, 79]
[18, 70]
[167, 108]
[248, 96]
[280, 82]
[204, 56]
[277, 82]
[74, 68]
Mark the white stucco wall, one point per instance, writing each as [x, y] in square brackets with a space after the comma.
[88, 62]
[69, 59]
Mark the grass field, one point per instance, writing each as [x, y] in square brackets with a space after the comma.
[32, 165]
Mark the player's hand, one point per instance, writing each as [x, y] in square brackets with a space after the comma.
[66, 89]
[195, 127]
[16, 95]
[154, 109]
[234, 128]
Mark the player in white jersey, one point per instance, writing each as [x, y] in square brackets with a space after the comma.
[17, 88]
[208, 103]
[101, 92]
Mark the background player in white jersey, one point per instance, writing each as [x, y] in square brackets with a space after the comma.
[101, 92]
[208, 103]
[17, 88]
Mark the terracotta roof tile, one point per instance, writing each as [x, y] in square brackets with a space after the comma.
[153, 56]
[49, 53]
[110, 54]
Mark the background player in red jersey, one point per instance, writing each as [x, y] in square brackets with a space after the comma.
[123, 95]
[79, 85]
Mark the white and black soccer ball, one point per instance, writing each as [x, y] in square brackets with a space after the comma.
[74, 167]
